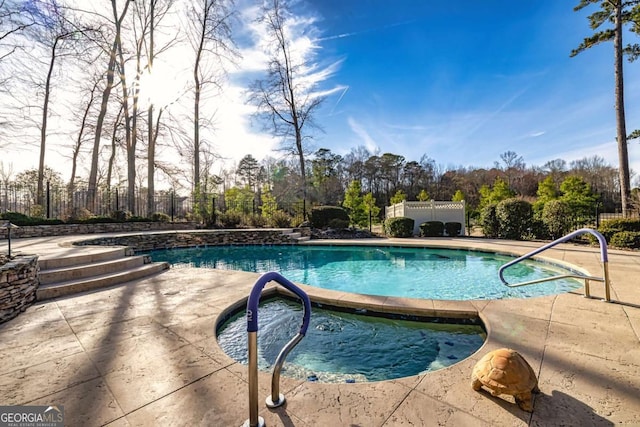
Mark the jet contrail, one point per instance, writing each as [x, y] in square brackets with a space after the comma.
[369, 30]
[339, 99]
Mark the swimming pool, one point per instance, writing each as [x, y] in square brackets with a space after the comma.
[446, 274]
[351, 347]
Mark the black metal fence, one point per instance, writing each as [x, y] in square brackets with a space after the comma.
[60, 203]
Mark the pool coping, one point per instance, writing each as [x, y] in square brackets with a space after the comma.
[99, 349]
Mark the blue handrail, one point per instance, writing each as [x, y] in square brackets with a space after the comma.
[276, 398]
[254, 299]
[603, 257]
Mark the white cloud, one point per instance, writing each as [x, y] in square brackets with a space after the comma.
[233, 137]
[536, 134]
[361, 132]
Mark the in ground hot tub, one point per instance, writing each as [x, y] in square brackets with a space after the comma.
[352, 345]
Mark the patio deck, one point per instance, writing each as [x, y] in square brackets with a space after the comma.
[145, 353]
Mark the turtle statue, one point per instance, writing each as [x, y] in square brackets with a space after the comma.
[504, 371]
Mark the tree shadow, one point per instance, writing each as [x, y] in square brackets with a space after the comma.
[556, 409]
[562, 409]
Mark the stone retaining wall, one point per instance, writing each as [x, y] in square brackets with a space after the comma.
[69, 229]
[18, 284]
[166, 240]
[19, 277]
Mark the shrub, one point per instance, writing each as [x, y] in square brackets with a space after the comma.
[538, 228]
[18, 218]
[79, 214]
[556, 216]
[95, 220]
[160, 217]
[37, 211]
[121, 215]
[626, 239]
[135, 219]
[279, 219]
[230, 219]
[399, 227]
[612, 226]
[514, 218]
[489, 221]
[254, 221]
[432, 229]
[338, 224]
[322, 215]
[453, 229]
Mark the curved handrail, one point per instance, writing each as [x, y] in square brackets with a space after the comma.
[603, 257]
[252, 332]
[254, 299]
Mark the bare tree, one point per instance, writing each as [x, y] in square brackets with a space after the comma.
[151, 151]
[146, 20]
[210, 37]
[285, 100]
[84, 128]
[56, 32]
[6, 172]
[104, 104]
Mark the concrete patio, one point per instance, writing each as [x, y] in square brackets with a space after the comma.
[145, 353]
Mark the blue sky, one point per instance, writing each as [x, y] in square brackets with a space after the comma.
[464, 82]
[459, 82]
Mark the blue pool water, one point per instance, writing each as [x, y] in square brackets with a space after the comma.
[350, 347]
[445, 274]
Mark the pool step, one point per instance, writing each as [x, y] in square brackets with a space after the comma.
[296, 235]
[83, 273]
[90, 256]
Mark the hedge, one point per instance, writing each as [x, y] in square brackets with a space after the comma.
[321, 216]
[626, 240]
[515, 217]
[453, 229]
[399, 227]
[432, 229]
[612, 226]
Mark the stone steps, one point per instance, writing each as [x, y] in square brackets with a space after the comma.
[296, 235]
[86, 272]
[104, 254]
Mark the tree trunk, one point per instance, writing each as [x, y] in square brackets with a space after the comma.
[623, 156]
[151, 168]
[133, 139]
[129, 136]
[93, 173]
[151, 153]
[303, 172]
[112, 156]
[76, 150]
[43, 128]
[196, 129]
[197, 187]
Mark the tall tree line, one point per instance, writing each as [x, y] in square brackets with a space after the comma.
[103, 52]
[384, 175]
[106, 55]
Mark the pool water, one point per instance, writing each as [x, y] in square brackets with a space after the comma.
[445, 274]
[350, 347]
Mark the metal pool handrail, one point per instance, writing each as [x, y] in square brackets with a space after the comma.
[252, 332]
[603, 256]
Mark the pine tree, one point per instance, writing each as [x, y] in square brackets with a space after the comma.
[617, 12]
